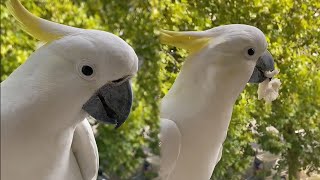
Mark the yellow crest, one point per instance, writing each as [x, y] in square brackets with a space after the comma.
[39, 28]
[190, 41]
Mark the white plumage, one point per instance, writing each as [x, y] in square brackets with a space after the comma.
[197, 109]
[44, 133]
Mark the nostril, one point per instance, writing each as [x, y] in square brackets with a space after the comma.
[119, 80]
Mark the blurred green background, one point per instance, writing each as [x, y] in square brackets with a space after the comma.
[293, 32]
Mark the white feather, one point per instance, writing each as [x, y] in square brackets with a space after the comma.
[43, 135]
[201, 100]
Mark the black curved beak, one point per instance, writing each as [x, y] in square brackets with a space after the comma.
[111, 104]
[264, 63]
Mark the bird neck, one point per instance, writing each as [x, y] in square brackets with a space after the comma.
[204, 90]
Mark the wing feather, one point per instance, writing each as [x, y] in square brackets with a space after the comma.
[85, 150]
[170, 138]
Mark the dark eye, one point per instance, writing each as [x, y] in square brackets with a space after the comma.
[87, 70]
[250, 51]
[119, 80]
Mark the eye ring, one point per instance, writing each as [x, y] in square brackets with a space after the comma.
[249, 52]
[86, 71]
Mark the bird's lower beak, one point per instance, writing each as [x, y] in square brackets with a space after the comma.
[264, 63]
[111, 103]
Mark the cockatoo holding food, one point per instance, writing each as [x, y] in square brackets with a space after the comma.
[196, 112]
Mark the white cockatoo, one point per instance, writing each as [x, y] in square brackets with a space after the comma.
[44, 133]
[196, 112]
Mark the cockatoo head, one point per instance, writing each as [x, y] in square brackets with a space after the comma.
[238, 45]
[93, 68]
